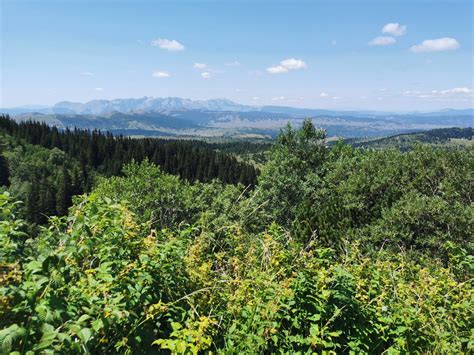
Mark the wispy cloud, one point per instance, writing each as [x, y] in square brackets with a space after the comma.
[394, 29]
[436, 45]
[277, 70]
[99, 89]
[168, 44]
[206, 75]
[160, 74]
[323, 94]
[206, 72]
[199, 66]
[293, 64]
[382, 41]
[87, 73]
[287, 65]
[463, 91]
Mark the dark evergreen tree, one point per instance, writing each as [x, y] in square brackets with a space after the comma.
[4, 172]
[32, 202]
[106, 153]
[76, 156]
[63, 193]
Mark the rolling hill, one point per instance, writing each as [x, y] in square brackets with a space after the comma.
[223, 118]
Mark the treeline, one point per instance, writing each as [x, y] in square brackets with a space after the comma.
[106, 153]
[407, 140]
[44, 167]
[448, 133]
[44, 179]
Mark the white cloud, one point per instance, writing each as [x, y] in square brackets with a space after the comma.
[199, 66]
[206, 75]
[99, 89]
[255, 98]
[160, 74]
[235, 63]
[436, 45]
[408, 92]
[459, 92]
[323, 94]
[205, 71]
[394, 29]
[462, 91]
[87, 73]
[337, 98]
[277, 70]
[168, 44]
[287, 65]
[382, 41]
[293, 64]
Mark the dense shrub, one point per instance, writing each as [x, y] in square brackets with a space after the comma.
[99, 282]
[415, 200]
[337, 250]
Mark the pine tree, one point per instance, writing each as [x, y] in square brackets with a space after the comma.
[63, 193]
[32, 203]
[4, 172]
[47, 201]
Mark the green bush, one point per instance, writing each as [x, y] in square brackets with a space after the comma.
[337, 250]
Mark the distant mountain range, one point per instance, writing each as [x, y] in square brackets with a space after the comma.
[221, 117]
[144, 104]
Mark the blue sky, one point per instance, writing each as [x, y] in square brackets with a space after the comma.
[385, 55]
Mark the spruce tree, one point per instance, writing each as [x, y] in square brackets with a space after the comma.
[32, 202]
[63, 193]
[4, 172]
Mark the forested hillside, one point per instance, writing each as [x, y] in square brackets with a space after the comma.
[46, 166]
[335, 249]
[446, 137]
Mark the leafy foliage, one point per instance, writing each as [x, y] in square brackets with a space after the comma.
[415, 200]
[337, 250]
[44, 179]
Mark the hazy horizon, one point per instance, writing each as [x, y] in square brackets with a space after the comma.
[361, 109]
